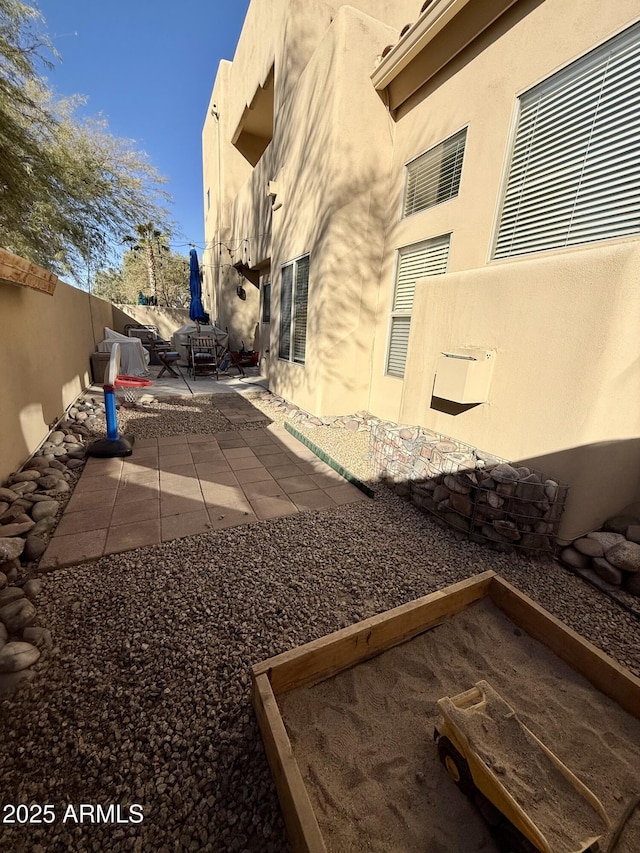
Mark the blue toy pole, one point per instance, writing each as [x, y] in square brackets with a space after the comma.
[110, 412]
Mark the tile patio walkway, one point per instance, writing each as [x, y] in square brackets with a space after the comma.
[189, 484]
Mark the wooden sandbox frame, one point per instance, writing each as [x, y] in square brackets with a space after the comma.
[322, 658]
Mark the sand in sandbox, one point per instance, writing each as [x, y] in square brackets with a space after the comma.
[363, 739]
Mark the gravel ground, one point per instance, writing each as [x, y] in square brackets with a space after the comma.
[145, 697]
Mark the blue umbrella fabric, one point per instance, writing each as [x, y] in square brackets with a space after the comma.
[196, 309]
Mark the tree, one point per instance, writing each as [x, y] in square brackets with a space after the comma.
[122, 285]
[68, 188]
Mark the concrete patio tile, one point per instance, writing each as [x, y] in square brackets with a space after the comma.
[313, 499]
[172, 460]
[186, 524]
[311, 467]
[199, 438]
[134, 492]
[232, 497]
[74, 548]
[205, 470]
[273, 507]
[95, 467]
[227, 443]
[139, 477]
[265, 451]
[96, 484]
[90, 500]
[145, 442]
[96, 518]
[282, 471]
[134, 535]
[244, 462]
[125, 513]
[144, 452]
[188, 471]
[328, 479]
[177, 504]
[222, 478]
[276, 459]
[264, 489]
[181, 487]
[301, 454]
[346, 494]
[167, 440]
[302, 483]
[238, 452]
[211, 455]
[253, 475]
[222, 517]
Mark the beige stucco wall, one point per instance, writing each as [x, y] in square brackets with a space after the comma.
[166, 319]
[45, 347]
[565, 393]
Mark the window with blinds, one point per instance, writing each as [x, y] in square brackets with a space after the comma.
[294, 294]
[574, 175]
[413, 262]
[434, 177]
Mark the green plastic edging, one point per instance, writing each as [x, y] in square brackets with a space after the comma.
[368, 491]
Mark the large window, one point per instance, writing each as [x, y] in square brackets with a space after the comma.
[266, 302]
[574, 175]
[434, 177]
[294, 291]
[413, 262]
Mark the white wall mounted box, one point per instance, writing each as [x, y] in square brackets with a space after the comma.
[464, 376]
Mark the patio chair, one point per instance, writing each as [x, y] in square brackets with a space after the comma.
[204, 357]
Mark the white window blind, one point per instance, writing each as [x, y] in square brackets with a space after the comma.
[294, 294]
[574, 175]
[413, 263]
[434, 177]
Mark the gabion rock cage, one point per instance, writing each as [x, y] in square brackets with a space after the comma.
[484, 496]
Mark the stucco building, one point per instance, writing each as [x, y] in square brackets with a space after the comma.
[399, 183]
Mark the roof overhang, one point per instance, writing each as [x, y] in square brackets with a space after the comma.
[444, 29]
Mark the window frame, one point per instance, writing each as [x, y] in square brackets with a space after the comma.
[298, 310]
[554, 85]
[432, 148]
[266, 302]
[394, 313]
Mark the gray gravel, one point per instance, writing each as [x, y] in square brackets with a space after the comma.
[145, 697]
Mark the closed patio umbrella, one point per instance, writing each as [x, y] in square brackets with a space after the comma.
[196, 309]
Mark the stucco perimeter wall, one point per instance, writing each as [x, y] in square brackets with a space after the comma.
[166, 319]
[45, 347]
[564, 395]
[334, 148]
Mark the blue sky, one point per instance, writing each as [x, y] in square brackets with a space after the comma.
[149, 66]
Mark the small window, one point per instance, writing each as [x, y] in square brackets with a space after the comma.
[413, 262]
[434, 177]
[266, 302]
[294, 293]
[575, 167]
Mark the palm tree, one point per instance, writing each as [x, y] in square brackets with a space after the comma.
[152, 242]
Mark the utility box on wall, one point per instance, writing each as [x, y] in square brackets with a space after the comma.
[464, 376]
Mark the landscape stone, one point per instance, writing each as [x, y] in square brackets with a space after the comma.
[606, 571]
[590, 547]
[574, 559]
[44, 508]
[25, 476]
[504, 473]
[57, 437]
[32, 588]
[11, 593]
[619, 523]
[625, 556]
[4, 635]
[633, 533]
[24, 488]
[8, 495]
[16, 656]
[37, 636]
[10, 548]
[11, 681]
[3, 580]
[606, 538]
[34, 548]
[37, 464]
[632, 583]
[17, 615]
[43, 526]
[17, 529]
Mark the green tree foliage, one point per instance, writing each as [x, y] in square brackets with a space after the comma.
[122, 285]
[68, 188]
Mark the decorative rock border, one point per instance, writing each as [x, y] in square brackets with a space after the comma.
[609, 558]
[477, 493]
[31, 501]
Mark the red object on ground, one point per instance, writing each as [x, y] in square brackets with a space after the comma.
[132, 381]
